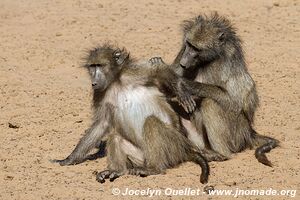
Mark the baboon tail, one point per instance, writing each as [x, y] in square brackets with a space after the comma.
[265, 145]
[200, 160]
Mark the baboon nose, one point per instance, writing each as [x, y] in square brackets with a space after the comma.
[94, 84]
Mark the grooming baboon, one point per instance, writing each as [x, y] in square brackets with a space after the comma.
[212, 54]
[144, 134]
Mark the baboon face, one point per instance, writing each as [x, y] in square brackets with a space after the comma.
[104, 65]
[202, 43]
[189, 57]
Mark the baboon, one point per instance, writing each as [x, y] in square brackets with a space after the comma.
[143, 133]
[211, 53]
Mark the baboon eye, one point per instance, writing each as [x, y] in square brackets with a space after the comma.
[95, 65]
[192, 46]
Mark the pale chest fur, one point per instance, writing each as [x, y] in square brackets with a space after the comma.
[134, 104]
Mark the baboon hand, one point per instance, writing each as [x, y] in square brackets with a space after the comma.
[185, 99]
[155, 61]
[65, 162]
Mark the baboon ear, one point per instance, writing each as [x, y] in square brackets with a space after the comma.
[187, 25]
[120, 56]
[200, 19]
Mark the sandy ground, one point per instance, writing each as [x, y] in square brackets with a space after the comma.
[47, 95]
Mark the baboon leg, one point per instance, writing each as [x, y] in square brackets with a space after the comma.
[155, 134]
[122, 157]
[217, 127]
[198, 137]
[116, 159]
[194, 128]
[175, 149]
[135, 155]
[242, 137]
[209, 154]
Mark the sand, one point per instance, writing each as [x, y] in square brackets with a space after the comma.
[45, 95]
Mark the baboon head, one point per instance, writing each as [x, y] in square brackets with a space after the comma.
[204, 39]
[104, 64]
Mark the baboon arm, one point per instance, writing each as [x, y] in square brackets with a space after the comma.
[187, 91]
[169, 83]
[202, 90]
[90, 140]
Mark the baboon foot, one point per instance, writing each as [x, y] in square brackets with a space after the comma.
[217, 157]
[211, 155]
[107, 174]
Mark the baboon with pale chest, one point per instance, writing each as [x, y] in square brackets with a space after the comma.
[131, 111]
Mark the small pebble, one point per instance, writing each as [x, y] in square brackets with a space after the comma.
[13, 125]
[208, 188]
